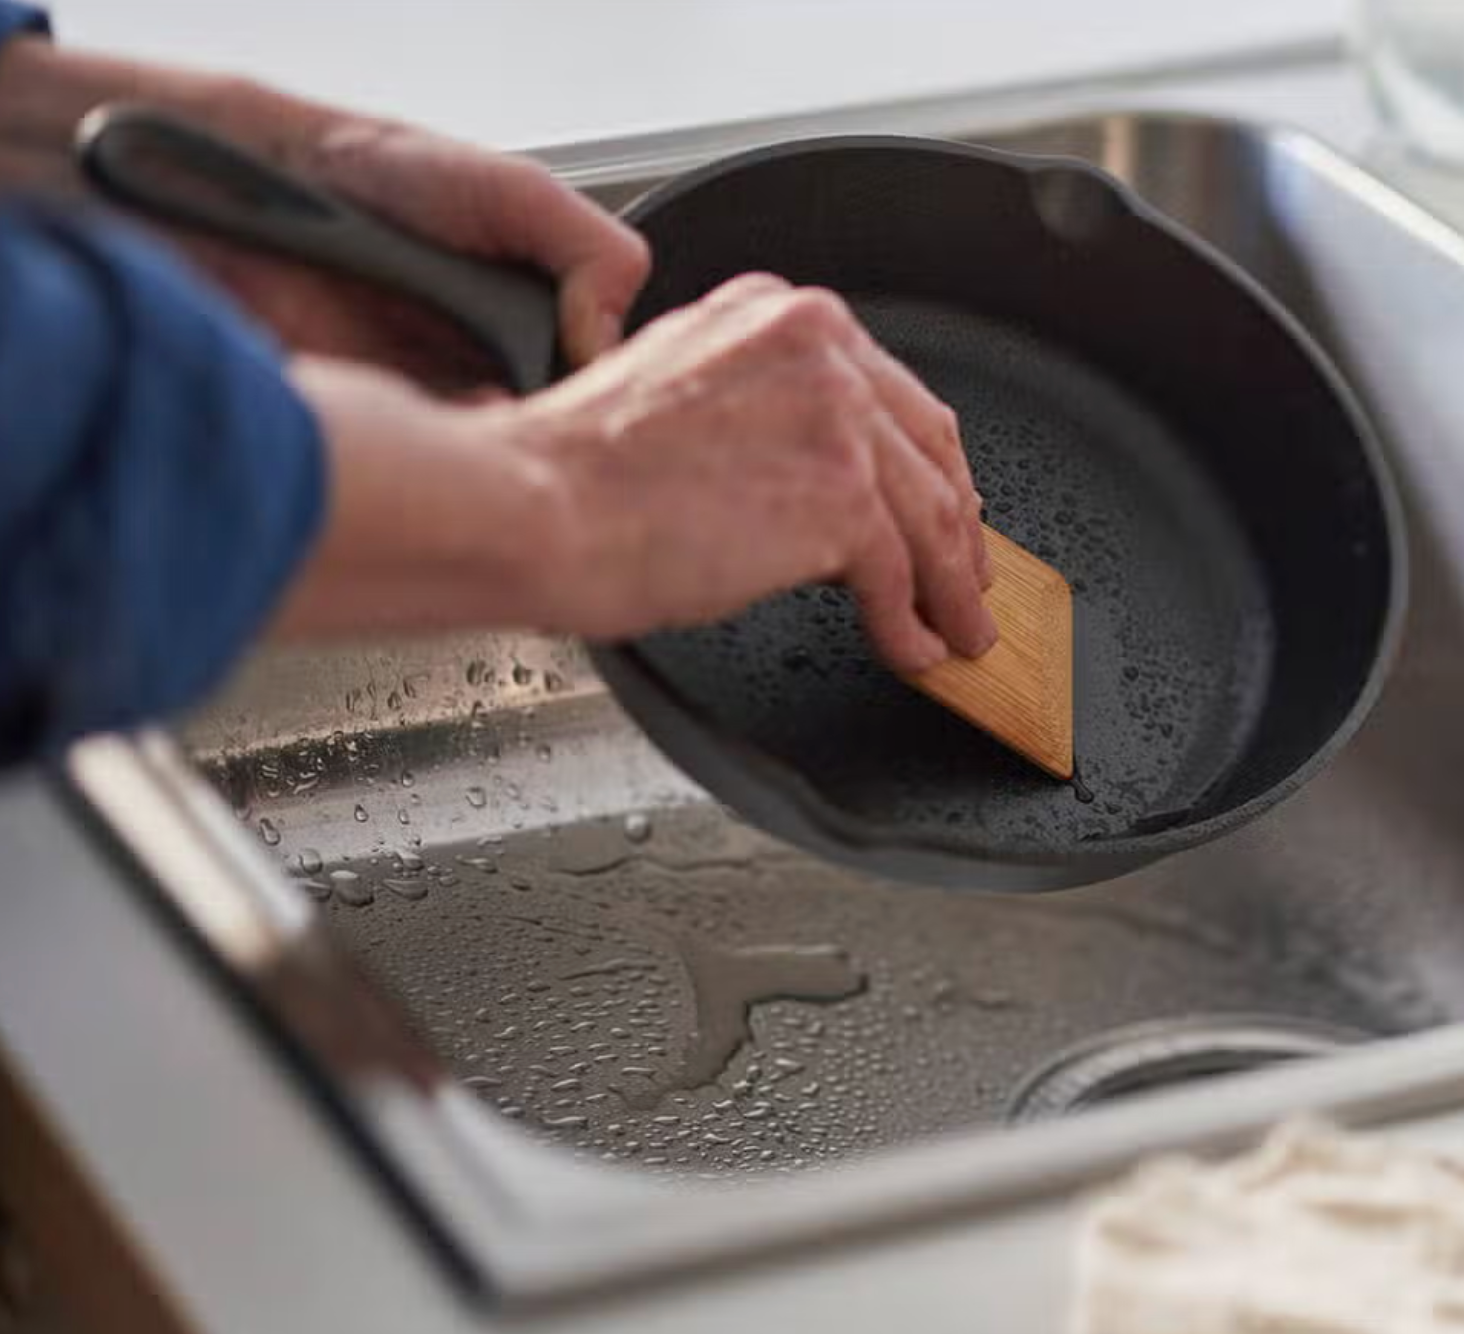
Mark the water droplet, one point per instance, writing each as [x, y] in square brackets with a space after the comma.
[315, 888]
[477, 672]
[351, 889]
[522, 675]
[554, 682]
[408, 778]
[477, 797]
[360, 814]
[637, 827]
[545, 753]
[269, 833]
[309, 861]
[407, 889]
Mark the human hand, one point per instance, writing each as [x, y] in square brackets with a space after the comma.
[757, 440]
[754, 441]
[481, 203]
[495, 206]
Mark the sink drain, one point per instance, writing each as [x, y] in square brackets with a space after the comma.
[1166, 1054]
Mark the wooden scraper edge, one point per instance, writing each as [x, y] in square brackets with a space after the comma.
[1021, 691]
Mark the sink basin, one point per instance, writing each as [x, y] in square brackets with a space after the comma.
[613, 962]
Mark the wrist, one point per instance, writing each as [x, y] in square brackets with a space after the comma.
[46, 91]
[39, 108]
[438, 517]
[501, 529]
[597, 542]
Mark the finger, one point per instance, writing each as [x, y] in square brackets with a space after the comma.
[929, 514]
[600, 261]
[730, 319]
[326, 314]
[883, 580]
[739, 291]
[935, 430]
[733, 309]
[723, 320]
[501, 206]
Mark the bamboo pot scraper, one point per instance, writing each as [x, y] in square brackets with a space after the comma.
[1021, 690]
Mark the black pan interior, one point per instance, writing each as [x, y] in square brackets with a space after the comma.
[1175, 633]
[1136, 417]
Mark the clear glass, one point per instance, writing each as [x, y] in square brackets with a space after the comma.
[1413, 51]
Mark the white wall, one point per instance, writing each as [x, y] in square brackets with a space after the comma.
[523, 72]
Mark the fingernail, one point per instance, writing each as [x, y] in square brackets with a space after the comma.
[933, 652]
[987, 632]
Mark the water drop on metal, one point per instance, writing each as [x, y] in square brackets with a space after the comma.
[351, 889]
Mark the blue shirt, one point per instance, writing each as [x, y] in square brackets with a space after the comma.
[159, 478]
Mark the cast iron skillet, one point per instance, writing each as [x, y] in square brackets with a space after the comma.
[1138, 411]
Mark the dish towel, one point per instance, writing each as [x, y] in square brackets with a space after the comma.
[1315, 1232]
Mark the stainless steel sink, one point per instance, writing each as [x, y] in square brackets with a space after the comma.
[611, 960]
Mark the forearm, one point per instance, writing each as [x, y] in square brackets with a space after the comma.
[46, 90]
[158, 483]
[439, 517]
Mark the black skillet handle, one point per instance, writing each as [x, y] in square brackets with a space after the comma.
[178, 173]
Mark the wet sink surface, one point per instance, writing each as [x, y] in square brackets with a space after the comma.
[598, 992]
[619, 966]
[664, 986]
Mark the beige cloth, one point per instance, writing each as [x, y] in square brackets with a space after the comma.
[1315, 1232]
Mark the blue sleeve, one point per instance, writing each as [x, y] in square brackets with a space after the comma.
[159, 481]
[22, 18]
